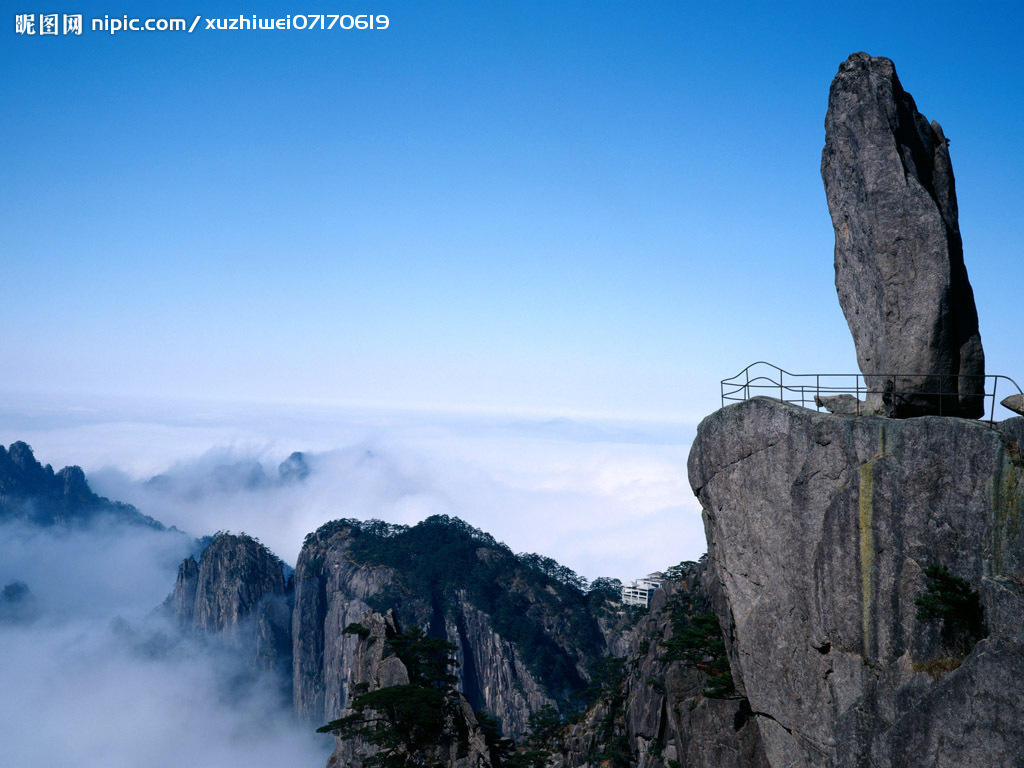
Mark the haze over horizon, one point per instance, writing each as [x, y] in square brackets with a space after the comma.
[250, 242]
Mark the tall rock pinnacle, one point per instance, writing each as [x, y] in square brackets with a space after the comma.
[899, 259]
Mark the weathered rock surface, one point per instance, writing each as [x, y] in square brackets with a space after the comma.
[820, 528]
[659, 717]
[899, 260]
[491, 671]
[461, 744]
[236, 591]
[337, 583]
[848, 405]
[1014, 403]
[330, 593]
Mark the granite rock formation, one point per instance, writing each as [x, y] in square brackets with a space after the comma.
[899, 261]
[330, 593]
[658, 716]
[236, 592]
[523, 640]
[821, 529]
[32, 493]
[337, 583]
[1014, 403]
[374, 665]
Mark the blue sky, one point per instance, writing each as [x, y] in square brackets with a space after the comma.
[557, 206]
[566, 209]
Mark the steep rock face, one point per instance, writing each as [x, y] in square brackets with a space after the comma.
[658, 716]
[820, 528]
[36, 494]
[899, 260]
[506, 619]
[374, 665]
[491, 673]
[330, 593]
[183, 598]
[237, 593]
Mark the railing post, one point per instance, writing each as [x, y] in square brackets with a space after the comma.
[992, 412]
[781, 396]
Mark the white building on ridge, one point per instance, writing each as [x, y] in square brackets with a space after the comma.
[639, 592]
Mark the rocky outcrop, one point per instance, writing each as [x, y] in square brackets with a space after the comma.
[658, 716]
[35, 494]
[461, 742]
[492, 674]
[509, 622]
[1014, 403]
[236, 592]
[330, 593]
[505, 618]
[899, 260]
[821, 528]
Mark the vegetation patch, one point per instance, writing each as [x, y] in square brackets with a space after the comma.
[937, 667]
[532, 601]
[697, 642]
[953, 604]
[401, 722]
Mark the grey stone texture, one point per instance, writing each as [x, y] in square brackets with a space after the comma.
[492, 670]
[848, 405]
[461, 743]
[820, 528]
[333, 591]
[661, 715]
[899, 261]
[1014, 403]
[330, 593]
[236, 592]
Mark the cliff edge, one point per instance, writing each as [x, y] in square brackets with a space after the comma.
[827, 534]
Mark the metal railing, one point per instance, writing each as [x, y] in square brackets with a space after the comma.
[806, 389]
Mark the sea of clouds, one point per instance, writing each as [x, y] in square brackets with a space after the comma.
[606, 498]
[93, 676]
[96, 676]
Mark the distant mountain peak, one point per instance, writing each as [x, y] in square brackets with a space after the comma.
[33, 493]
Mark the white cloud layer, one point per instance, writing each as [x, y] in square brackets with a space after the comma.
[92, 678]
[603, 498]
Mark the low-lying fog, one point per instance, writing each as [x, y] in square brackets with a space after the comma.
[94, 678]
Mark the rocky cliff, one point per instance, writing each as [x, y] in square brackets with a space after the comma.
[825, 533]
[656, 709]
[331, 591]
[36, 494]
[523, 639]
[450, 736]
[237, 592]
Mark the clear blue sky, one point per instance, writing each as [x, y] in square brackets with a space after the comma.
[553, 206]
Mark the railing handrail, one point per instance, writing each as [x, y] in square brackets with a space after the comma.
[738, 388]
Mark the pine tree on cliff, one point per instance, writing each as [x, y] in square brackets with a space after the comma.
[401, 722]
